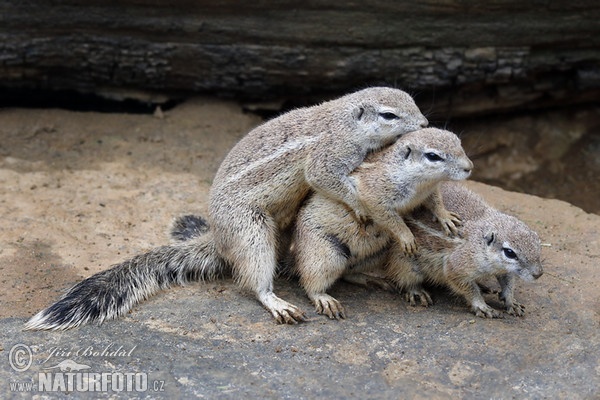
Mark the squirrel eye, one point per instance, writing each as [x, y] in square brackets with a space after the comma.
[388, 115]
[433, 157]
[509, 253]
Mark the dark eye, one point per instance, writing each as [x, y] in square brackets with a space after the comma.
[509, 253]
[433, 157]
[388, 115]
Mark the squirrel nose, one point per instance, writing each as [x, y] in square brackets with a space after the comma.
[468, 166]
[424, 123]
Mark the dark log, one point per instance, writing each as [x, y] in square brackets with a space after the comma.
[459, 57]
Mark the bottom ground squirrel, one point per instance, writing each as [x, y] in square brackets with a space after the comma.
[489, 244]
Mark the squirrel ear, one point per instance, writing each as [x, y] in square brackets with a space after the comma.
[490, 237]
[408, 151]
[358, 113]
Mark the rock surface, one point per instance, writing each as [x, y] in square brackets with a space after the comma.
[81, 191]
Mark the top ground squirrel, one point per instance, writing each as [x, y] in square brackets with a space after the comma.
[263, 180]
[254, 200]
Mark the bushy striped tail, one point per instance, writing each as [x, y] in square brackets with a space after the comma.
[188, 227]
[112, 293]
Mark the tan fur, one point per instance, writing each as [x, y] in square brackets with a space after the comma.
[329, 242]
[264, 179]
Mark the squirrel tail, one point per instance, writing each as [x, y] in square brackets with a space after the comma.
[110, 294]
[188, 227]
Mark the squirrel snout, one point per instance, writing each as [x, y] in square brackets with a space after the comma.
[424, 123]
[537, 273]
[467, 166]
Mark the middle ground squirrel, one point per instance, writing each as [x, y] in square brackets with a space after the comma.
[329, 243]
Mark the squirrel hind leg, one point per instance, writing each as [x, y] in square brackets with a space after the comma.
[317, 280]
[253, 253]
[319, 261]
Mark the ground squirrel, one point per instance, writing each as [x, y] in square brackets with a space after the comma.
[329, 242]
[491, 244]
[255, 196]
[262, 182]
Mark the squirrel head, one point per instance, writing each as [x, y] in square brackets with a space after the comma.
[435, 154]
[384, 114]
[509, 246]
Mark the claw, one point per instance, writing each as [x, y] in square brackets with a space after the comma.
[450, 223]
[289, 317]
[516, 309]
[487, 313]
[282, 311]
[410, 248]
[423, 297]
[327, 305]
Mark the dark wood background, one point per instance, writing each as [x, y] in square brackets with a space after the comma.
[458, 57]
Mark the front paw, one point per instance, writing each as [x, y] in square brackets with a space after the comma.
[486, 312]
[450, 222]
[516, 309]
[511, 306]
[408, 244]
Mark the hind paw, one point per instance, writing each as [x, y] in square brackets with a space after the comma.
[282, 311]
[516, 309]
[418, 295]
